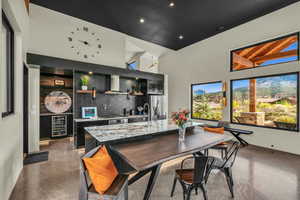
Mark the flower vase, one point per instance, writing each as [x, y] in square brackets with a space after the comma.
[181, 132]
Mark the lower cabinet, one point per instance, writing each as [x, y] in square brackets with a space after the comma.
[133, 120]
[47, 125]
[83, 139]
[79, 132]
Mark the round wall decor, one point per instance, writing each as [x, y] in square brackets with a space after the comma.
[84, 42]
[58, 102]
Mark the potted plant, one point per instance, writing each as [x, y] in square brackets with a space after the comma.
[286, 122]
[180, 118]
[84, 82]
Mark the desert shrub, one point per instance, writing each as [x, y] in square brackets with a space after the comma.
[286, 119]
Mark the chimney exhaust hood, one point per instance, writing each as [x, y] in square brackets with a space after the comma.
[115, 85]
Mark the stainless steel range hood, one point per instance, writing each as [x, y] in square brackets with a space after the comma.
[115, 85]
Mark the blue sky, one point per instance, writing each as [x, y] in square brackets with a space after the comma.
[240, 84]
[208, 88]
[284, 79]
[133, 66]
[293, 46]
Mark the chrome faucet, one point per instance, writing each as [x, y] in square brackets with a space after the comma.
[148, 110]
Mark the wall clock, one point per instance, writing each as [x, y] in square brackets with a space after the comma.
[58, 102]
[85, 42]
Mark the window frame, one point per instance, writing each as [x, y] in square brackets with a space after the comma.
[10, 77]
[265, 76]
[211, 82]
[266, 41]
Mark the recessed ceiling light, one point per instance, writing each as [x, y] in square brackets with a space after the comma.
[142, 20]
[90, 73]
[180, 37]
[171, 4]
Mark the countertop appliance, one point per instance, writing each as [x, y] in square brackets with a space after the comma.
[157, 107]
[89, 112]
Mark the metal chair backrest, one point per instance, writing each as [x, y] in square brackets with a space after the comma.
[224, 124]
[202, 166]
[231, 155]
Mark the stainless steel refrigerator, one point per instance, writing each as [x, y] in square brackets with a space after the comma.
[157, 107]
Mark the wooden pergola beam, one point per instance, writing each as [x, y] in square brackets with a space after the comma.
[275, 56]
[244, 52]
[27, 5]
[254, 51]
[280, 45]
[259, 50]
[252, 103]
[240, 60]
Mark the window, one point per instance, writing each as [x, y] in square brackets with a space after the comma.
[133, 65]
[207, 101]
[270, 101]
[7, 45]
[276, 51]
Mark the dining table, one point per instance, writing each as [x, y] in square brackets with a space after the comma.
[140, 149]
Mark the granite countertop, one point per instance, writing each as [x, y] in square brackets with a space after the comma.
[110, 118]
[124, 131]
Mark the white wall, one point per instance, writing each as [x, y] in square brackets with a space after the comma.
[148, 62]
[11, 132]
[49, 32]
[209, 60]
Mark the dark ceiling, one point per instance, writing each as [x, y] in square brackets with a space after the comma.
[194, 19]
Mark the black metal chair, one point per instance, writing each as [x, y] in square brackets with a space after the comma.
[195, 178]
[117, 191]
[223, 147]
[225, 165]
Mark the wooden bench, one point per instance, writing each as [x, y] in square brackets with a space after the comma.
[117, 191]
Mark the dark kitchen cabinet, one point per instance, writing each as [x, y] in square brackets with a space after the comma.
[133, 120]
[46, 126]
[156, 87]
[79, 132]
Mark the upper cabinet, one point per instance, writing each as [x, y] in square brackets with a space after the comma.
[156, 87]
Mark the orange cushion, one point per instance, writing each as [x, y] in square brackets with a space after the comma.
[101, 169]
[215, 130]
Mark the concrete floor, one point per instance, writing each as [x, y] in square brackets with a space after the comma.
[259, 174]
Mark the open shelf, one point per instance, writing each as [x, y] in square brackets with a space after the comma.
[111, 93]
[136, 94]
[84, 91]
[124, 93]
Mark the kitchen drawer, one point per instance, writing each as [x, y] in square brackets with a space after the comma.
[133, 120]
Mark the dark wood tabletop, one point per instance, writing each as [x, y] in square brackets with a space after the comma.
[145, 154]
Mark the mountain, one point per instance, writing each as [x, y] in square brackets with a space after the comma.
[272, 86]
[199, 92]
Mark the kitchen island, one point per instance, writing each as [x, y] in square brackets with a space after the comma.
[80, 124]
[118, 133]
